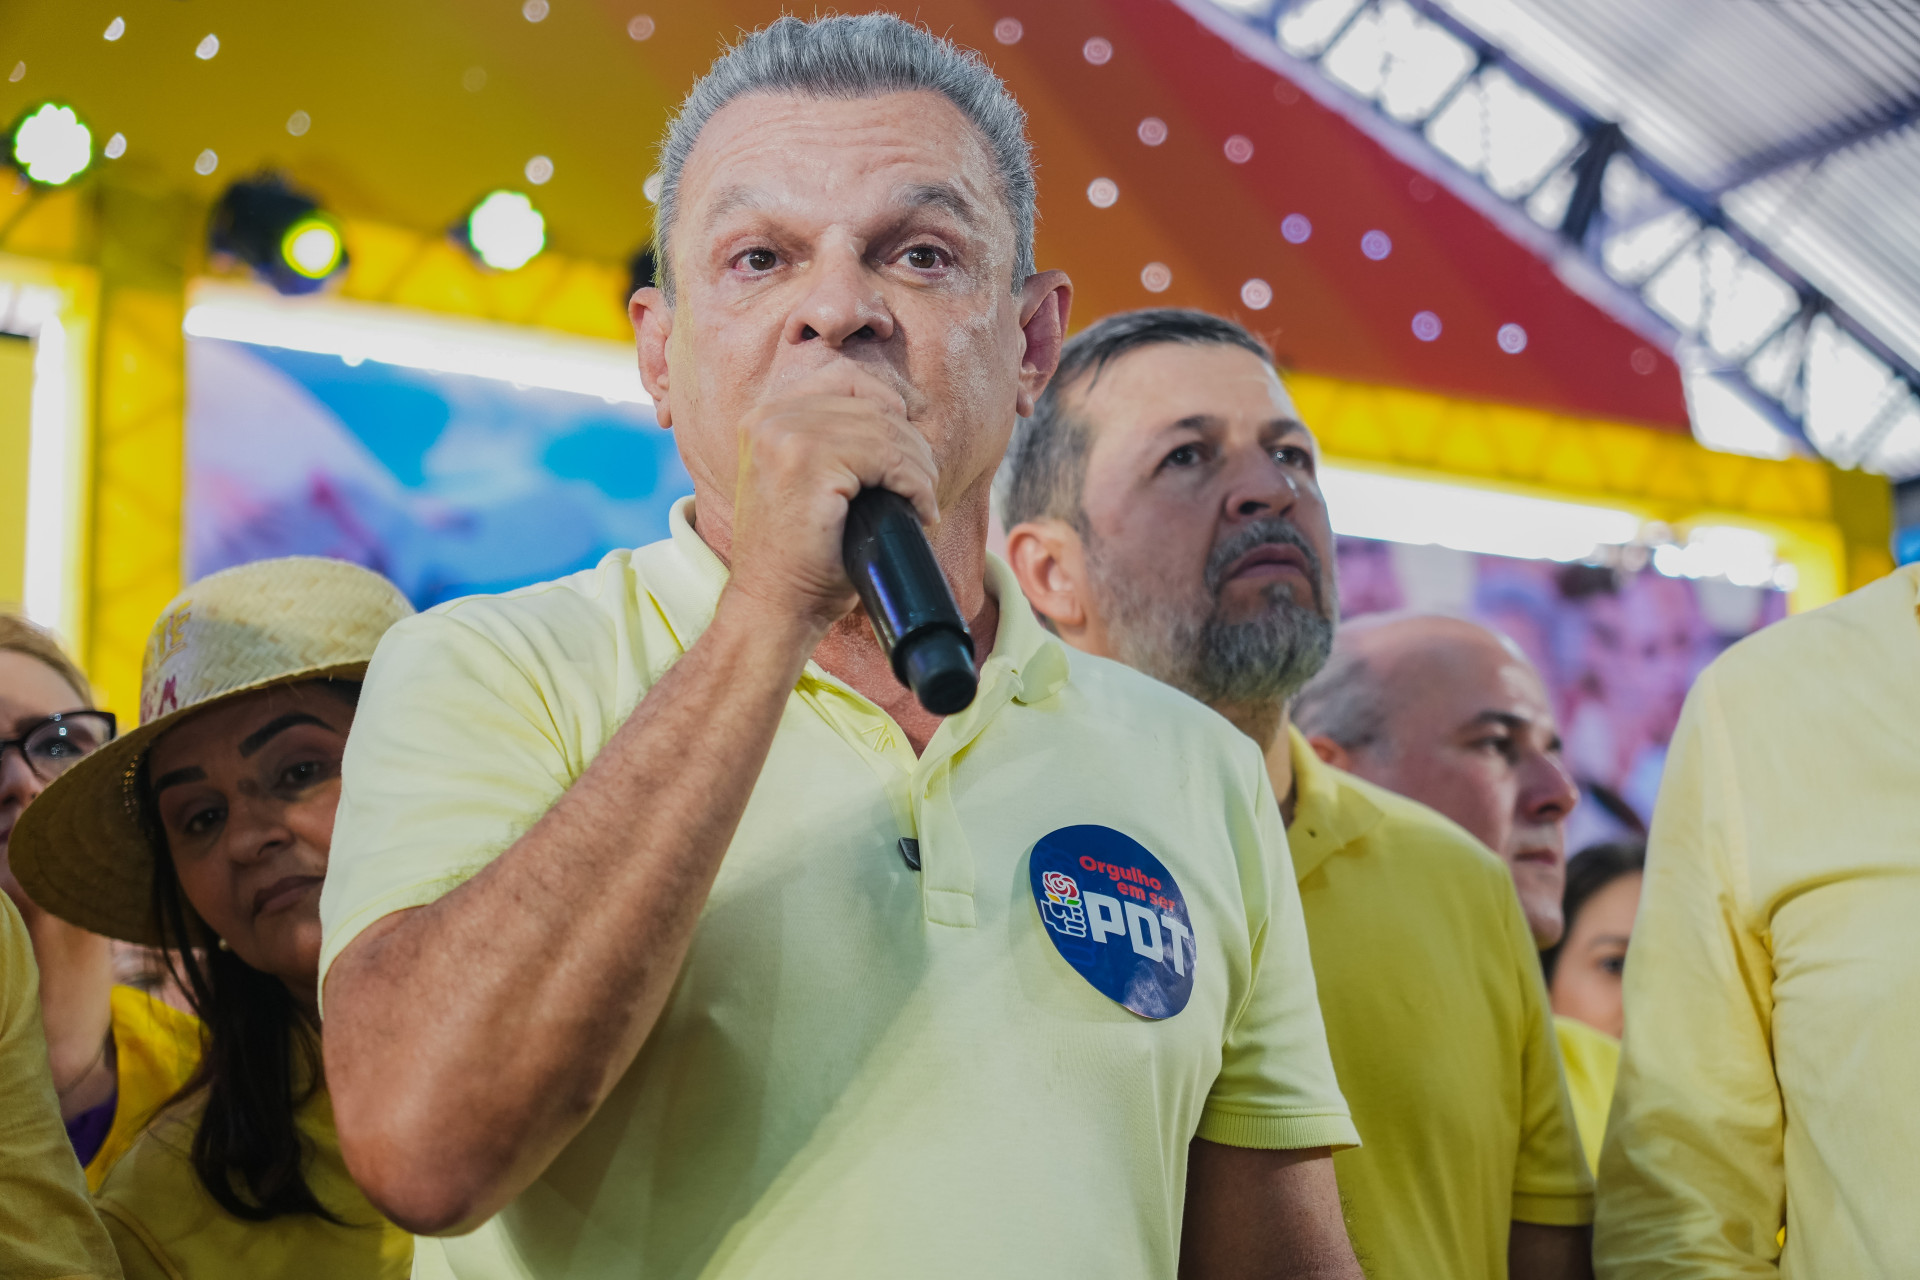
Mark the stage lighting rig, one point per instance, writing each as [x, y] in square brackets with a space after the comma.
[283, 234]
[504, 231]
[50, 145]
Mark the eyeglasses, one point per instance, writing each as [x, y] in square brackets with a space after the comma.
[54, 745]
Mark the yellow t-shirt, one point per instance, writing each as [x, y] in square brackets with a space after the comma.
[1437, 1017]
[1592, 1060]
[1771, 1060]
[867, 1070]
[167, 1227]
[156, 1048]
[48, 1231]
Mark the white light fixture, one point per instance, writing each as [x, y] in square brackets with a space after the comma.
[51, 146]
[1366, 504]
[505, 231]
[1744, 557]
[359, 331]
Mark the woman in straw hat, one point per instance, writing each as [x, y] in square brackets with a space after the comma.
[205, 832]
[116, 1053]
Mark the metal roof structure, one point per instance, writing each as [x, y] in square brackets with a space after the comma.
[1740, 178]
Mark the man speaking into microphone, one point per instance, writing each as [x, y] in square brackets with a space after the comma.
[667, 934]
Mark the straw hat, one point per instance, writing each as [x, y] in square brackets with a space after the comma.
[80, 850]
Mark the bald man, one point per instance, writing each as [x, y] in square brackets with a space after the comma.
[1163, 509]
[1446, 712]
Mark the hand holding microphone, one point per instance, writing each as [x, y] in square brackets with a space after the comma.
[914, 615]
[836, 486]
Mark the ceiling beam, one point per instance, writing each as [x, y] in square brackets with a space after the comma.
[1815, 146]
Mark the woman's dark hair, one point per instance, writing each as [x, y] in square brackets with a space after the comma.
[1588, 872]
[262, 1058]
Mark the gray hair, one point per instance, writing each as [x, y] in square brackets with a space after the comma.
[1343, 703]
[1046, 466]
[863, 56]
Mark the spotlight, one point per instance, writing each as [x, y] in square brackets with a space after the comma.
[283, 234]
[51, 146]
[504, 231]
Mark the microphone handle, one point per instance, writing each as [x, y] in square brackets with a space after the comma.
[914, 615]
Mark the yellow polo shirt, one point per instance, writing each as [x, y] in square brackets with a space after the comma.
[156, 1048]
[166, 1226]
[1770, 1071]
[866, 1070]
[48, 1231]
[1592, 1060]
[1441, 1036]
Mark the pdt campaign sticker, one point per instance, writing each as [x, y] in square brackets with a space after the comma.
[1115, 914]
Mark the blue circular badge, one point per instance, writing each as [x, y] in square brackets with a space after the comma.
[1115, 914]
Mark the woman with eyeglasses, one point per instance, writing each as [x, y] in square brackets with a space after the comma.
[116, 1053]
[206, 832]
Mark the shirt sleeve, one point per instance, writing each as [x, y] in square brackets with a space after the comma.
[1276, 1088]
[47, 1225]
[453, 756]
[1551, 1184]
[1691, 1175]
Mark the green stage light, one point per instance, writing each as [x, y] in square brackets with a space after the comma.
[504, 231]
[312, 246]
[51, 146]
[281, 233]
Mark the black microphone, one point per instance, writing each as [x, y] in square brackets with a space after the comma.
[915, 617]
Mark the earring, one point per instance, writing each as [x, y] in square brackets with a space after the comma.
[224, 945]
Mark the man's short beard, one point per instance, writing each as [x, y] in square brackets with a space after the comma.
[1262, 659]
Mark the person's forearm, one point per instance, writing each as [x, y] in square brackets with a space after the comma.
[468, 1041]
[1549, 1253]
[76, 1007]
[1254, 1214]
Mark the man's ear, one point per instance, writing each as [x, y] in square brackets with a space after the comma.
[1331, 752]
[1046, 556]
[652, 318]
[1045, 301]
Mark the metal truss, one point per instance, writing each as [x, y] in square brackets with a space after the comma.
[1662, 254]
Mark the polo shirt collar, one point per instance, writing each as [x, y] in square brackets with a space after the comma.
[686, 578]
[1327, 815]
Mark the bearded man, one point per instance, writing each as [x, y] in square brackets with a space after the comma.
[666, 935]
[1163, 508]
